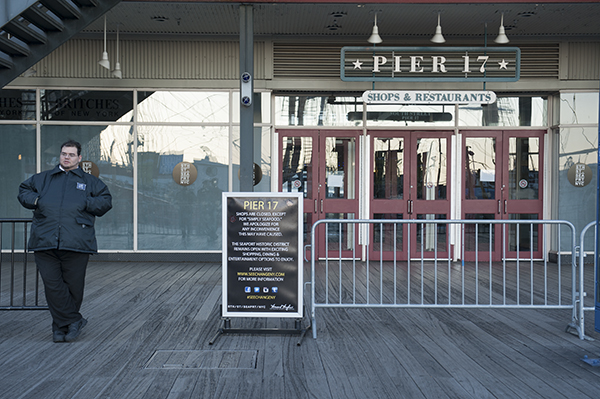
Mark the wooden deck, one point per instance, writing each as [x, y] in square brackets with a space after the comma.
[150, 325]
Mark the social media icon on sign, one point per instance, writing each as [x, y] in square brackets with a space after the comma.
[257, 289]
[265, 289]
[248, 290]
[275, 289]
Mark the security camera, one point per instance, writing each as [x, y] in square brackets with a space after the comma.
[246, 89]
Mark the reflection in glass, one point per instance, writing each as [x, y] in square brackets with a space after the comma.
[410, 115]
[480, 168]
[317, 111]
[17, 163]
[431, 169]
[262, 107]
[477, 235]
[387, 236]
[85, 105]
[297, 164]
[431, 237]
[523, 168]
[340, 236]
[523, 237]
[388, 168]
[17, 105]
[506, 111]
[183, 106]
[111, 149]
[577, 204]
[339, 167]
[578, 108]
[172, 216]
[262, 157]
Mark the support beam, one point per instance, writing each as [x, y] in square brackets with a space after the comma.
[246, 87]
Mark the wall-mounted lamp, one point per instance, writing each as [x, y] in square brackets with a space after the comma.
[117, 72]
[501, 39]
[104, 62]
[375, 38]
[438, 38]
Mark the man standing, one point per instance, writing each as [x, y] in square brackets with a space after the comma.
[65, 202]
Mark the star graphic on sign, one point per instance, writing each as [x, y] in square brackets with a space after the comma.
[357, 64]
[503, 64]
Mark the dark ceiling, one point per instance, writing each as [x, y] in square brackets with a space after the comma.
[568, 21]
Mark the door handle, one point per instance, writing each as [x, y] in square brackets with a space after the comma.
[499, 207]
[315, 206]
[321, 206]
[409, 206]
[505, 206]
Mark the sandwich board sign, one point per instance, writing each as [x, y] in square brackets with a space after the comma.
[262, 263]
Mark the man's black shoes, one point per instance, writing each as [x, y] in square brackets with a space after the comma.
[75, 330]
[58, 336]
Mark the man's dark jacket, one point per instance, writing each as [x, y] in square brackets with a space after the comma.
[64, 205]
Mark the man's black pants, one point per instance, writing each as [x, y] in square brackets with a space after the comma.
[63, 274]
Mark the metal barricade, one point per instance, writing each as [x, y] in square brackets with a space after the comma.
[19, 280]
[585, 284]
[420, 278]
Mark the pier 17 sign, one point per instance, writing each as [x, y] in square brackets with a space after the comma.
[428, 64]
[262, 263]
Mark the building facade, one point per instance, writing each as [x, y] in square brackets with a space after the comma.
[165, 137]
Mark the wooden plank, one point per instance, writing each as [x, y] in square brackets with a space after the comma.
[136, 309]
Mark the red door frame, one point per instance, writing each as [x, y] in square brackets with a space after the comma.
[502, 207]
[316, 204]
[410, 206]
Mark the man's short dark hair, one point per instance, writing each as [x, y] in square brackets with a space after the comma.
[72, 143]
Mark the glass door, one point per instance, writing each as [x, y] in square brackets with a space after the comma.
[323, 165]
[502, 182]
[410, 181]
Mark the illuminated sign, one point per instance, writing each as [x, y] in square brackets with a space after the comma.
[428, 64]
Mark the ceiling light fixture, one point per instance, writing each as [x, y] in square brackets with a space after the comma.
[375, 38]
[501, 39]
[117, 72]
[438, 37]
[104, 62]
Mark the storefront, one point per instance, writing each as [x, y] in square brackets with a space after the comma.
[509, 159]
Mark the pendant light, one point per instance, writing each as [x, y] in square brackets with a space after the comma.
[501, 39]
[117, 72]
[438, 38]
[375, 38]
[104, 61]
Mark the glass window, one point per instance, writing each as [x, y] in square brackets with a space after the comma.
[577, 204]
[17, 105]
[318, 111]
[85, 105]
[578, 108]
[110, 148]
[262, 158]
[17, 162]
[171, 215]
[506, 111]
[431, 169]
[410, 115]
[183, 106]
[297, 165]
[388, 168]
[524, 168]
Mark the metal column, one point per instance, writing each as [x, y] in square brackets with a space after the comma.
[246, 98]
